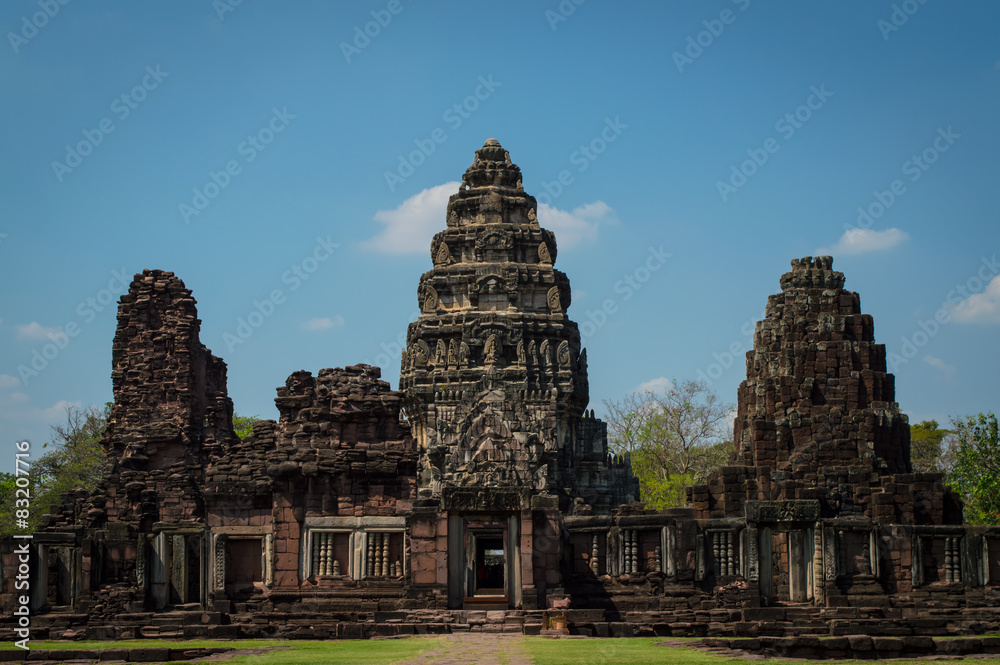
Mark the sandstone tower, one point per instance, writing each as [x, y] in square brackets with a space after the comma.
[494, 375]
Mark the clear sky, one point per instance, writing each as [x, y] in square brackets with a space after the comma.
[684, 153]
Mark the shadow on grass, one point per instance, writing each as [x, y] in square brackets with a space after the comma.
[643, 651]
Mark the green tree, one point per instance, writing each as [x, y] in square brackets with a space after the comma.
[74, 460]
[675, 438]
[975, 473]
[243, 425]
[927, 450]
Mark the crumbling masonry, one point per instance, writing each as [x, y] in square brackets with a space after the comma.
[481, 495]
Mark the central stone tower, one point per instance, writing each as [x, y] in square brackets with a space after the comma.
[494, 375]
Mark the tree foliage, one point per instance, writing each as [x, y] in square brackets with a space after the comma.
[975, 471]
[927, 446]
[73, 459]
[243, 425]
[675, 438]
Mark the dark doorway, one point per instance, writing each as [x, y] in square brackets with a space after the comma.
[243, 566]
[491, 565]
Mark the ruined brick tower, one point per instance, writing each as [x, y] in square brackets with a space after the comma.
[817, 393]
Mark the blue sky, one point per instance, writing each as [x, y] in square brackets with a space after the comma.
[236, 144]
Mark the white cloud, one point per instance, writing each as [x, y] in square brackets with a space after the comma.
[410, 227]
[979, 307]
[578, 225]
[323, 323]
[35, 330]
[17, 406]
[8, 381]
[858, 241]
[657, 385]
[934, 361]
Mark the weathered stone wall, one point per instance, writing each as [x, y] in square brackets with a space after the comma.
[817, 418]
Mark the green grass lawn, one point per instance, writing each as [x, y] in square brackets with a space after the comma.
[543, 651]
[304, 652]
[641, 651]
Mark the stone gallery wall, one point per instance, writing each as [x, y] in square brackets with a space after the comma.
[495, 504]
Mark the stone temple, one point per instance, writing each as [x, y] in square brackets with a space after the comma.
[481, 495]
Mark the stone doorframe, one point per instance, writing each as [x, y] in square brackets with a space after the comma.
[458, 542]
[169, 563]
[42, 543]
[799, 518]
[222, 534]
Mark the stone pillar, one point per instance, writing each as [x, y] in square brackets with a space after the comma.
[219, 573]
[178, 568]
[819, 592]
[766, 566]
[456, 562]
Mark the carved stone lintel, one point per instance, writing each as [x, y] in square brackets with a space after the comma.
[792, 510]
[482, 498]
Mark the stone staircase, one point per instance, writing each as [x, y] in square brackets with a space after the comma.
[249, 620]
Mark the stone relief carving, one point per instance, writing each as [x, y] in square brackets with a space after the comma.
[545, 355]
[563, 355]
[220, 562]
[520, 353]
[553, 299]
[443, 255]
[453, 353]
[543, 254]
[140, 563]
[490, 350]
[421, 354]
[429, 299]
[463, 355]
[441, 355]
